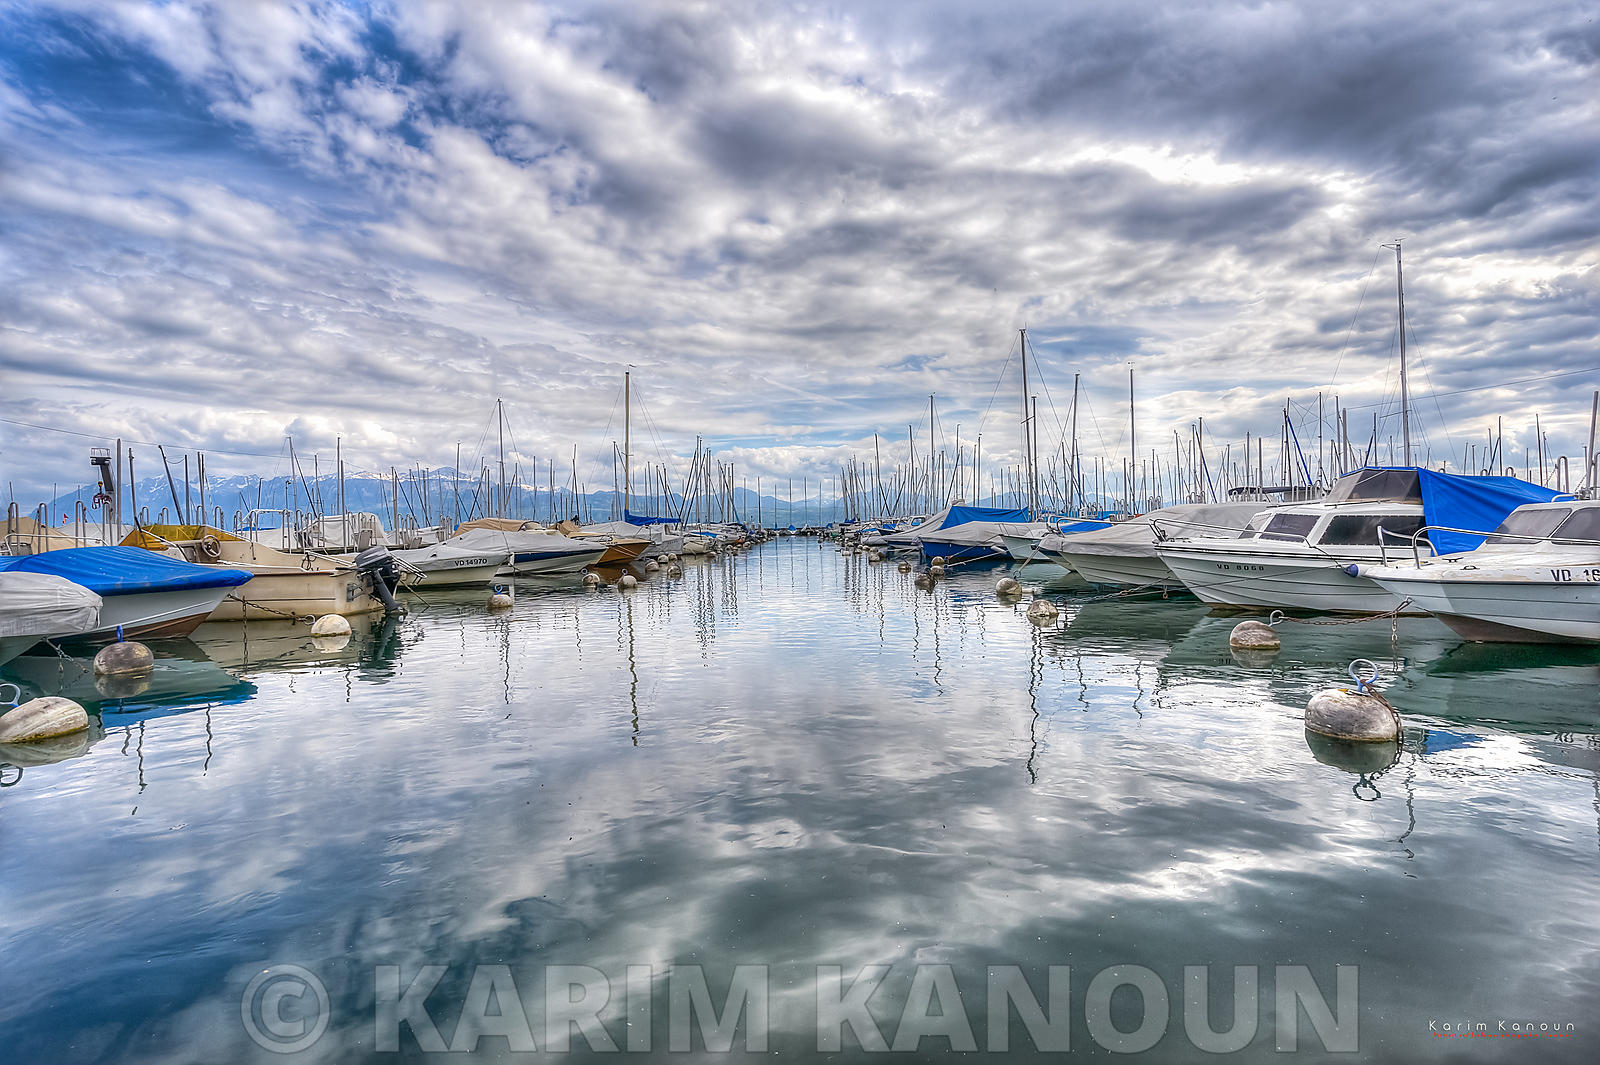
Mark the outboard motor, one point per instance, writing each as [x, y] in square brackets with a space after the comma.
[381, 570]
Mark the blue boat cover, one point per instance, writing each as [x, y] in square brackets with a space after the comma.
[641, 519]
[1472, 503]
[962, 515]
[125, 570]
[1084, 525]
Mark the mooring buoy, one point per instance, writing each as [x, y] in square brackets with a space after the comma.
[652, 566]
[125, 657]
[501, 601]
[42, 719]
[627, 580]
[1254, 636]
[331, 625]
[674, 570]
[1359, 716]
[937, 560]
[1008, 588]
[904, 567]
[924, 581]
[1042, 612]
[936, 571]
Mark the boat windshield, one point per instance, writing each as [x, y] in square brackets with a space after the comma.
[1377, 486]
[1583, 525]
[1289, 526]
[1525, 526]
[1362, 529]
[1253, 527]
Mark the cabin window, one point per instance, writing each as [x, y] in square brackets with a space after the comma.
[1289, 526]
[1584, 524]
[1362, 529]
[1526, 526]
[1377, 486]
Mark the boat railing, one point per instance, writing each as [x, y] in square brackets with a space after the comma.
[1416, 555]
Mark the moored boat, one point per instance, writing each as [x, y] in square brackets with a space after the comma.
[37, 606]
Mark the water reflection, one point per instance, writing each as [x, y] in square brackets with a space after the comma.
[795, 758]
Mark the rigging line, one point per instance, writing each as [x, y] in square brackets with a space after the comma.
[998, 382]
[1359, 304]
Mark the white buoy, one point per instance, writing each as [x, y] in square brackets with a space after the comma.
[905, 567]
[674, 570]
[936, 570]
[1359, 716]
[874, 556]
[1008, 588]
[627, 580]
[1042, 612]
[938, 561]
[1254, 636]
[40, 719]
[652, 566]
[117, 659]
[331, 625]
[591, 579]
[501, 601]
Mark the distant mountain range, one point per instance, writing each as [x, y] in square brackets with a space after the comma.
[237, 496]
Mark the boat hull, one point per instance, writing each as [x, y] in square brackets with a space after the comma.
[1260, 581]
[1493, 611]
[545, 564]
[296, 593]
[961, 552]
[1122, 571]
[1021, 548]
[155, 615]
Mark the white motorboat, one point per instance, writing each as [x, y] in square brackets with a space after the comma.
[1536, 579]
[1021, 539]
[1297, 557]
[449, 565]
[36, 606]
[1123, 555]
[534, 550]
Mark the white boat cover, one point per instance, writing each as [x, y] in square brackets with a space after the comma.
[1136, 537]
[527, 541]
[42, 604]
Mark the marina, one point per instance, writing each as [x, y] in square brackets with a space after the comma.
[794, 757]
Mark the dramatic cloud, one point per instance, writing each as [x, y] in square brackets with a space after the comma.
[224, 222]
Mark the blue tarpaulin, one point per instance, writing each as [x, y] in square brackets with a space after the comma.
[125, 570]
[1472, 503]
[640, 519]
[962, 515]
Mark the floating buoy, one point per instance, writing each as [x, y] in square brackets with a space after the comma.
[1008, 588]
[873, 556]
[118, 659]
[652, 566]
[924, 581]
[905, 567]
[938, 561]
[627, 580]
[43, 718]
[674, 570]
[1254, 636]
[1359, 716]
[1042, 612]
[936, 570]
[331, 625]
[591, 579]
[501, 601]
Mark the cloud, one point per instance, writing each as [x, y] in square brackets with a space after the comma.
[793, 225]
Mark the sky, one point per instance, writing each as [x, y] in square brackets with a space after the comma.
[361, 224]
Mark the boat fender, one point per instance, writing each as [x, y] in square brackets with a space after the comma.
[627, 580]
[331, 625]
[501, 601]
[1359, 716]
[1042, 612]
[1353, 570]
[1008, 588]
[121, 659]
[42, 719]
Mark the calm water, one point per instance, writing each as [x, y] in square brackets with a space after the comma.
[793, 759]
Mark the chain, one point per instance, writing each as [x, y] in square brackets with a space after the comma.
[1277, 615]
[306, 618]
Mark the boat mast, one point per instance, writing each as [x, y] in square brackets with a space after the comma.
[500, 412]
[1405, 398]
[627, 440]
[1027, 444]
[1133, 450]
